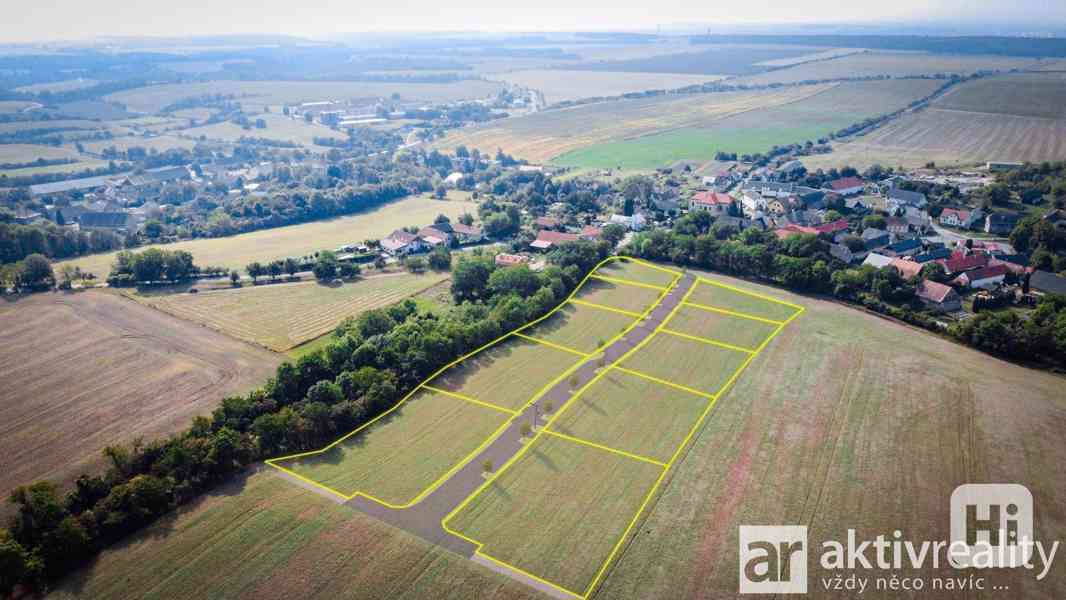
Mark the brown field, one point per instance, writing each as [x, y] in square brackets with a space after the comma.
[26, 153]
[279, 127]
[560, 85]
[265, 245]
[895, 64]
[845, 420]
[1021, 95]
[281, 316]
[85, 370]
[254, 95]
[545, 135]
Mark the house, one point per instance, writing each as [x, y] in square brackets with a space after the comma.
[770, 189]
[846, 186]
[453, 179]
[1001, 223]
[985, 278]
[876, 238]
[902, 248]
[467, 234]
[590, 233]
[752, 204]
[783, 233]
[897, 199]
[401, 243]
[934, 254]
[1047, 283]
[877, 260]
[959, 262]
[634, 222]
[842, 253]
[897, 226]
[435, 235]
[717, 204]
[955, 217]
[511, 260]
[546, 239]
[908, 269]
[832, 226]
[938, 297]
[547, 223]
[669, 206]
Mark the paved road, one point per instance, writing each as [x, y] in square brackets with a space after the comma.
[424, 518]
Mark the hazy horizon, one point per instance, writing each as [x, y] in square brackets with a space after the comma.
[67, 20]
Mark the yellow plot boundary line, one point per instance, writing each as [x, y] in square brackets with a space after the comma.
[732, 313]
[623, 281]
[713, 399]
[552, 345]
[628, 313]
[495, 434]
[605, 448]
[703, 340]
[468, 399]
[683, 388]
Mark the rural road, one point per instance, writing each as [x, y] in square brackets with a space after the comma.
[424, 518]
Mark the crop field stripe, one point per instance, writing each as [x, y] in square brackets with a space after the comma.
[578, 440]
[628, 313]
[678, 386]
[731, 313]
[552, 345]
[460, 464]
[469, 399]
[622, 281]
[704, 340]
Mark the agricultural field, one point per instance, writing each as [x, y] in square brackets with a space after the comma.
[545, 135]
[1022, 95]
[65, 125]
[68, 85]
[159, 143]
[85, 370]
[278, 127]
[560, 85]
[27, 153]
[398, 456]
[255, 95]
[892, 64]
[262, 538]
[694, 364]
[726, 59]
[86, 163]
[731, 329]
[235, 252]
[282, 316]
[809, 118]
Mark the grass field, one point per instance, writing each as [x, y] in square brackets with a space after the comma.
[582, 328]
[279, 127]
[254, 95]
[634, 271]
[693, 364]
[559, 85]
[67, 85]
[558, 510]
[755, 131]
[632, 414]
[724, 59]
[281, 316]
[548, 134]
[26, 153]
[85, 370]
[160, 143]
[235, 252]
[262, 538]
[733, 330]
[625, 297]
[508, 374]
[724, 298]
[894, 64]
[406, 451]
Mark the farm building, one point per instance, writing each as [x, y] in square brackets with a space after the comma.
[938, 297]
[546, 239]
[985, 278]
[846, 186]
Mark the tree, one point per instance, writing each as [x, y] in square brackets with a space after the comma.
[254, 269]
[466, 219]
[17, 565]
[440, 193]
[36, 272]
[153, 229]
[349, 270]
[613, 233]
[416, 264]
[291, 266]
[874, 221]
[440, 259]
[325, 268]
[275, 268]
[470, 277]
[234, 277]
[441, 218]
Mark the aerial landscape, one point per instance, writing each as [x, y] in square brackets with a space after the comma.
[548, 301]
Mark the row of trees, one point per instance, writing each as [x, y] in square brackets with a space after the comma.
[372, 362]
[150, 266]
[50, 240]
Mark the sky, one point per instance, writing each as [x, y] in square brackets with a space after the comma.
[81, 19]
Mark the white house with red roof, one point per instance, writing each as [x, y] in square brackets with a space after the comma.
[716, 203]
[985, 277]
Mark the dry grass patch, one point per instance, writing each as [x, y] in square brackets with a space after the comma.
[715, 296]
[697, 365]
[635, 271]
[581, 328]
[630, 298]
[736, 331]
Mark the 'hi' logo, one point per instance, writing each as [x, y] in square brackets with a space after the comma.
[991, 520]
[773, 559]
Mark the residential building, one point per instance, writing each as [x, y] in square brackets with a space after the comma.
[938, 297]
[960, 262]
[846, 186]
[1001, 223]
[877, 260]
[984, 278]
[908, 247]
[908, 269]
[934, 254]
[546, 239]
[547, 223]
[435, 235]
[897, 199]
[467, 234]
[591, 233]
[717, 204]
[633, 222]
[401, 243]
[897, 226]
[876, 238]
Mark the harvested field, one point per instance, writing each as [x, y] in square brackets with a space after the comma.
[402, 454]
[160, 143]
[736, 331]
[508, 374]
[715, 296]
[27, 153]
[254, 95]
[518, 515]
[893, 64]
[582, 328]
[809, 118]
[635, 271]
[635, 415]
[560, 85]
[625, 297]
[85, 163]
[548, 134]
[281, 316]
[67, 85]
[262, 538]
[278, 127]
[696, 365]
[1021, 95]
[235, 252]
[85, 370]
[724, 59]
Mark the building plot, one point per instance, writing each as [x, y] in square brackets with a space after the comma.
[695, 364]
[632, 414]
[508, 374]
[730, 329]
[580, 327]
[720, 297]
[632, 270]
[630, 299]
[558, 511]
[404, 453]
